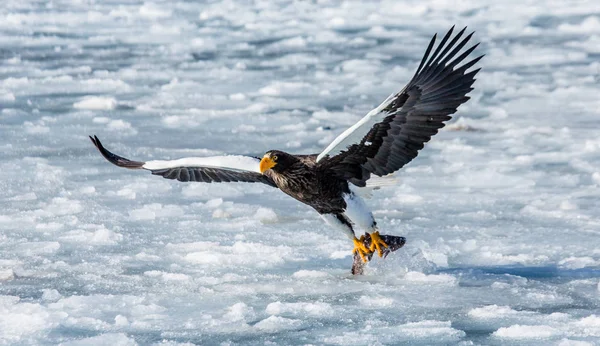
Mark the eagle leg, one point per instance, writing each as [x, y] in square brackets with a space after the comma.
[361, 249]
[377, 243]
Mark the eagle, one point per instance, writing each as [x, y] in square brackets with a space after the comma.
[380, 143]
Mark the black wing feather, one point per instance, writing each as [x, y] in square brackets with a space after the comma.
[415, 114]
[115, 159]
[186, 174]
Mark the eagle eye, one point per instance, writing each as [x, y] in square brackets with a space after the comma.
[274, 157]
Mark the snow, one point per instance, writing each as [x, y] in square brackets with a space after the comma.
[525, 332]
[266, 215]
[500, 209]
[116, 339]
[96, 103]
[274, 324]
[7, 274]
[317, 309]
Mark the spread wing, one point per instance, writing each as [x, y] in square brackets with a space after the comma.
[217, 169]
[391, 135]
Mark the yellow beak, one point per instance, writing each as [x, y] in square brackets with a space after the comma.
[266, 163]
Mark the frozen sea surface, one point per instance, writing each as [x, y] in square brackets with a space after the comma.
[501, 209]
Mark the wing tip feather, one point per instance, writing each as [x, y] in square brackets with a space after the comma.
[113, 158]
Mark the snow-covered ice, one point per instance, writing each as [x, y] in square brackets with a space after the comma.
[501, 210]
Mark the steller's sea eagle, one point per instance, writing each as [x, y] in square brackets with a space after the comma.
[382, 142]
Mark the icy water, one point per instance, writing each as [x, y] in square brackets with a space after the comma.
[500, 210]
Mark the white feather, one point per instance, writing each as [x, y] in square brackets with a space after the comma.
[358, 212]
[356, 132]
[232, 162]
[333, 221]
[374, 183]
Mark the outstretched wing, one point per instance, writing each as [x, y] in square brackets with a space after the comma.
[217, 169]
[391, 135]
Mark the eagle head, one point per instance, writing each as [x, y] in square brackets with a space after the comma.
[276, 160]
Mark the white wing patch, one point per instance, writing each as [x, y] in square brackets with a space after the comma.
[375, 183]
[231, 162]
[356, 132]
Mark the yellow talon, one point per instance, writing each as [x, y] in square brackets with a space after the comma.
[360, 248]
[377, 243]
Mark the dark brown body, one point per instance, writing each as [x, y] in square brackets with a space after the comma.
[310, 183]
